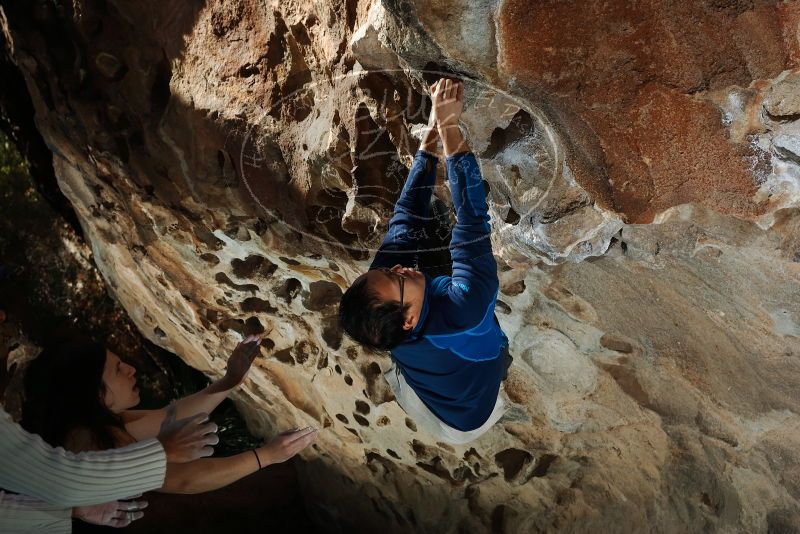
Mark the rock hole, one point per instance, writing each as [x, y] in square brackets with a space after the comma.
[237, 232]
[304, 350]
[360, 420]
[337, 368]
[327, 423]
[289, 289]
[350, 7]
[383, 421]
[222, 278]
[284, 356]
[252, 327]
[615, 343]
[522, 125]
[512, 461]
[160, 92]
[276, 46]
[374, 460]
[543, 465]
[159, 333]
[348, 380]
[393, 454]
[321, 295]
[323, 362]
[419, 448]
[208, 238]
[209, 258]
[512, 217]
[257, 305]
[342, 418]
[237, 325]
[411, 425]
[472, 453]
[433, 71]
[502, 307]
[463, 473]
[438, 468]
[514, 289]
[253, 266]
[332, 332]
[247, 70]
[378, 391]
[362, 407]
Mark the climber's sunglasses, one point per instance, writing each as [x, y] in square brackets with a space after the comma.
[397, 276]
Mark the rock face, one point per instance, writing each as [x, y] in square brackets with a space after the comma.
[233, 165]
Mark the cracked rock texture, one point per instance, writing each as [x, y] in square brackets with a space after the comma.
[233, 165]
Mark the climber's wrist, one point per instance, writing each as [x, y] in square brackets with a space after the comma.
[430, 141]
[443, 126]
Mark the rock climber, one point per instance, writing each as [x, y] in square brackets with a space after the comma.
[448, 350]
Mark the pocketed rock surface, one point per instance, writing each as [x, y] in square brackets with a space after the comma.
[233, 165]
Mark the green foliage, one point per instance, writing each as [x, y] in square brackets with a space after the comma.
[11, 162]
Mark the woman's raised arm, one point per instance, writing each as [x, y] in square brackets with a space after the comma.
[213, 473]
[144, 424]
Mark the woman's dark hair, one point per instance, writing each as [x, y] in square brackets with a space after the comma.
[64, 391]
[370, 321]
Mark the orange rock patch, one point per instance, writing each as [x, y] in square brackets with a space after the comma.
[635, 73]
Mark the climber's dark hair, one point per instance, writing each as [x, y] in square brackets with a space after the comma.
[64, 391]
[370, 321]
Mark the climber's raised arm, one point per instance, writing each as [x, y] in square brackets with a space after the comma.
[411, 217]
[474, 285]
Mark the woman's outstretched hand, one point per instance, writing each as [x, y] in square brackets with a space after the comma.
[115, 514]
[286, 445]
[240, 361]
[186, 440]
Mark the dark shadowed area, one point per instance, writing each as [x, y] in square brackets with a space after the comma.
[48, 284]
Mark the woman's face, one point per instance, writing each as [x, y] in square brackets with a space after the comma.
[119, 379]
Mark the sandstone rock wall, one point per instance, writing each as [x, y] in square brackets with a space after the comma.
[233, 165]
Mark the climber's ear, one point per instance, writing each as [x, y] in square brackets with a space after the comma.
[410, 321]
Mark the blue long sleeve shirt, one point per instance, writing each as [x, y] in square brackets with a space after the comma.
[452, 356]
